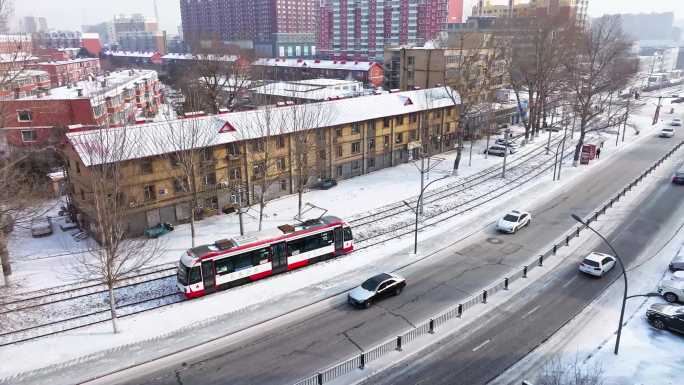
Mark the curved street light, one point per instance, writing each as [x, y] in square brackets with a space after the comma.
[417, 211]
[624, 275]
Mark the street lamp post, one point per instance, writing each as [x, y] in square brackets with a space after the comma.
[624, 276]
[417, 212]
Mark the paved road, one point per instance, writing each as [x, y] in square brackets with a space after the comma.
[521, 325]
[298, 347]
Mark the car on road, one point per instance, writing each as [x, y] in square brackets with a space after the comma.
[678, 100]
[666, 132]
[514, 221]
[676, 122]
[678, 177]
[505, 143]
[326, 184]
[41, 226]
[499, 150]
[665, 316]
[597, 264]
[672, 290]
[376, 288]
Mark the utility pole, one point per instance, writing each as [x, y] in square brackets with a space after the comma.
[626, 118]
[503, 171]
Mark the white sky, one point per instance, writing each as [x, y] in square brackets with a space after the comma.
[71, 14]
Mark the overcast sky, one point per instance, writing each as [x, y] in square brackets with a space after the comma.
[71, 14]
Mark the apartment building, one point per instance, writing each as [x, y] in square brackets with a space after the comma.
[360, 30]
[119, 98]
[533, 8]
[24, 83]
[355, 137]
[69, 71]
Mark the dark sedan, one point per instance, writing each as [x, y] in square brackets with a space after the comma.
[326, 184]
[678, 177]
[376, 288]
[666, 316]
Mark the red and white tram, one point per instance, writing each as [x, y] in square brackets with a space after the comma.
[232, 262]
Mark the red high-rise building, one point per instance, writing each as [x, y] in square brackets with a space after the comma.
[455, 11]
[276, 27]
[363, 28]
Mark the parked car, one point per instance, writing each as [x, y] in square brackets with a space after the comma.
[514, 221]
[326, 184]
[375, 289]
[679, 275]
[41, 226]
[159, 230]
[505, 143]
[672, 290]
[665, 316]
[499, 150]
[676, 122]
[678, 100]
[597, 264]
[677, 263]
[666, 132]
[678, 177]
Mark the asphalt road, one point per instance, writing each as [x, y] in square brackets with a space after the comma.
[520, 325]
[299, 346]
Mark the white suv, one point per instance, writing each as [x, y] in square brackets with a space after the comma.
[672, 290]
[597, 264]
[667, 132]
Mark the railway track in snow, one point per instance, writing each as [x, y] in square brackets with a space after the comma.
[53, 311]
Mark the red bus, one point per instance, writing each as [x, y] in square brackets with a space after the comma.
[231, 262]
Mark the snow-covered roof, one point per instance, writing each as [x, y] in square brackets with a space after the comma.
[318, 64]
[116, 82]
[95, 147]
[18, 58]
[312, 89]
[70, 61]
[136, 54]
[90, 35]
[188, 56]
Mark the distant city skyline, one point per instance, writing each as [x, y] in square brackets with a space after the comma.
[85, 12]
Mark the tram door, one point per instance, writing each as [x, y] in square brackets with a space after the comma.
[208, 276]
[339, 240]
[279, 257]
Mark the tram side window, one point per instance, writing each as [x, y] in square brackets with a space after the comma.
[297, 246]
[224, 266]
[260, 255]
[243, 261]
[195, 276]
[310, 243]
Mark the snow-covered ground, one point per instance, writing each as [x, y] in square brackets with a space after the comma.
[237, 306]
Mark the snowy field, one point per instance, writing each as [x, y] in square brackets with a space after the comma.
[35, 270]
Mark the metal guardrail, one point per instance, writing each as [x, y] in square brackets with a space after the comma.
[431, 325]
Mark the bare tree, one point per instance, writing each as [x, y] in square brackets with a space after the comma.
[301, 119]
[103, 153]
[472, 61]
[601, 66]
[558, 371]
[187, 146]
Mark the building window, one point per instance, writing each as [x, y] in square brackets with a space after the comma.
[258, 145]
[280, 141]
[233, 149]
[28, 136]
[149, 193]
[207, 155]
[371, 162]
[339, 171]
[321, 154]
[399, 138]
[386, 122]
[371, 143]
[174, 159]
[413, 135]
[82, 195]
[413, 118]
[386, 140]
[356, 147]
[146, 166]
[410, 75]
[234, 173]
[321, 135]
[356, 165]
[356, 128]
[210, 179]
[179, 185]
[411, 60]
[400, 120]
[78, 168]
[338, 132]
[339, 151]
[437, 114]
[258, 170]
[280, 164]
[283, 185]
[24, 116]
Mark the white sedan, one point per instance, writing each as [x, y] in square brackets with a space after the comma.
[513, 221]
[597, 264]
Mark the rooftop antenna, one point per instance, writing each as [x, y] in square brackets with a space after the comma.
[156, 11]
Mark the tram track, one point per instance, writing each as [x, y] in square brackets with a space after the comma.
[79, 307]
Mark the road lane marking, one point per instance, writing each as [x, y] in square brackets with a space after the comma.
[482, 345]
[530, 312]
[569, 282]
